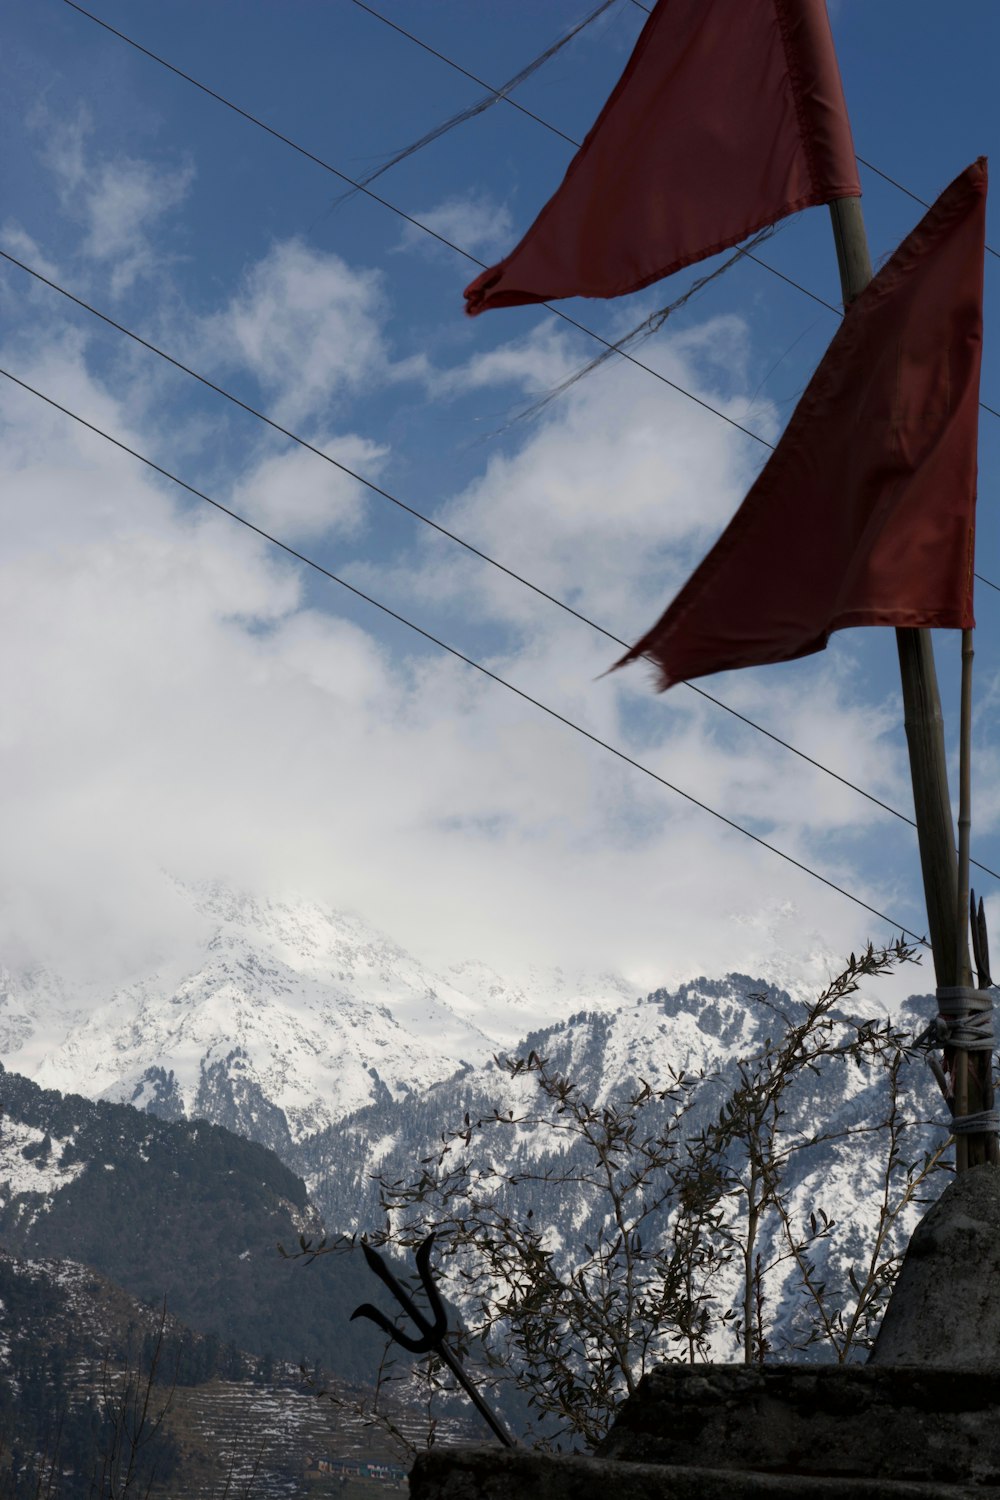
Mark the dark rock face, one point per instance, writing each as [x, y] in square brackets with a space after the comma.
[945, 1307]
[230, 1097]
[157, 1092]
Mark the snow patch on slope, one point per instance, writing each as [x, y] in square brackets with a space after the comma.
[27, 1165]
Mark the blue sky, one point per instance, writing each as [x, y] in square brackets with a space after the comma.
[181, 698]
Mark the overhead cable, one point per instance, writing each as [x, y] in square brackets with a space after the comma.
[496, 94]
[409, 218]
[461, 656]
[909, 193]
[610, 345]
[493, 96]
[436, 526]
[502, 95]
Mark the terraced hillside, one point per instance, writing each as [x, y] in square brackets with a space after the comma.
[75, 1357]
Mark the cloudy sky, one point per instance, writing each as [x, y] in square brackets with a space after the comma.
[180, 697]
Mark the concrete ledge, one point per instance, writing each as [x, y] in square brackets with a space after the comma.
[506, 1474]
[839, 1421]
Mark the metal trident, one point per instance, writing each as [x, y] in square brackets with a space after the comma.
[432, 1334]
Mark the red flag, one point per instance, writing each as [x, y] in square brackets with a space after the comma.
[729, 115]
[864, 514]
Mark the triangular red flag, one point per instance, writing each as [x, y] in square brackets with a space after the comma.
[865, 512]
[729, 115]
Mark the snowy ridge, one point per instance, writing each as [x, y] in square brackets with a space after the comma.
[306, 1030]
[702, 1027]
[289, 1017]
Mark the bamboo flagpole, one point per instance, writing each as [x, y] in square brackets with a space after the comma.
[918, 675]
[945, 874]
[702, 116]
[973, 1070]
[962, 967]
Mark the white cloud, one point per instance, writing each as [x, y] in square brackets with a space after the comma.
[123, 205]
[474, 221]
[177, 700]
[306, 324]
[19, 243]
[825, 718]
[119, 200]
[298, 497]
[537, 363]
[613, 492]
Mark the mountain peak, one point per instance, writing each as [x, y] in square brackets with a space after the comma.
[285, 1016]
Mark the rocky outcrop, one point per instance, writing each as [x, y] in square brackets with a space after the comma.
[945, 1307]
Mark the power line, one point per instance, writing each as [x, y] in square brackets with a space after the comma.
[472, 111]
[815, 297]
[498, 94]
[361, 187]
[369, 193]
[278, 136]
[442, 530]
[464, 71]
[344, 468]
[612, 347]
[502, 95]
[922, 201]
[460, 655]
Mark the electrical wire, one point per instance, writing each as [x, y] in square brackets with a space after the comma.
[500, 94]
[409, 218]
[344, 177]
[922, 201]
[491, 97]
[461, 656]
[503, 96]
[442, 530]
[613, 347]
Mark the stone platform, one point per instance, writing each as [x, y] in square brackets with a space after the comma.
[887, 1422]
[719, 1432]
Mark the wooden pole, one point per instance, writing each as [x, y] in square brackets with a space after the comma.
[946, 919]
[921, 699]
[962, 964]
[973, 1071]
[924, 725]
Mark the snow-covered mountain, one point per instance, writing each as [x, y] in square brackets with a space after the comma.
[285, 1018]
[311, 1033]
[493, 1140]
[704, 1028]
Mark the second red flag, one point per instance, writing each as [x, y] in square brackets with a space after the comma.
[864, 514]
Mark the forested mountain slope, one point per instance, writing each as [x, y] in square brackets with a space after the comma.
[179, 1211]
